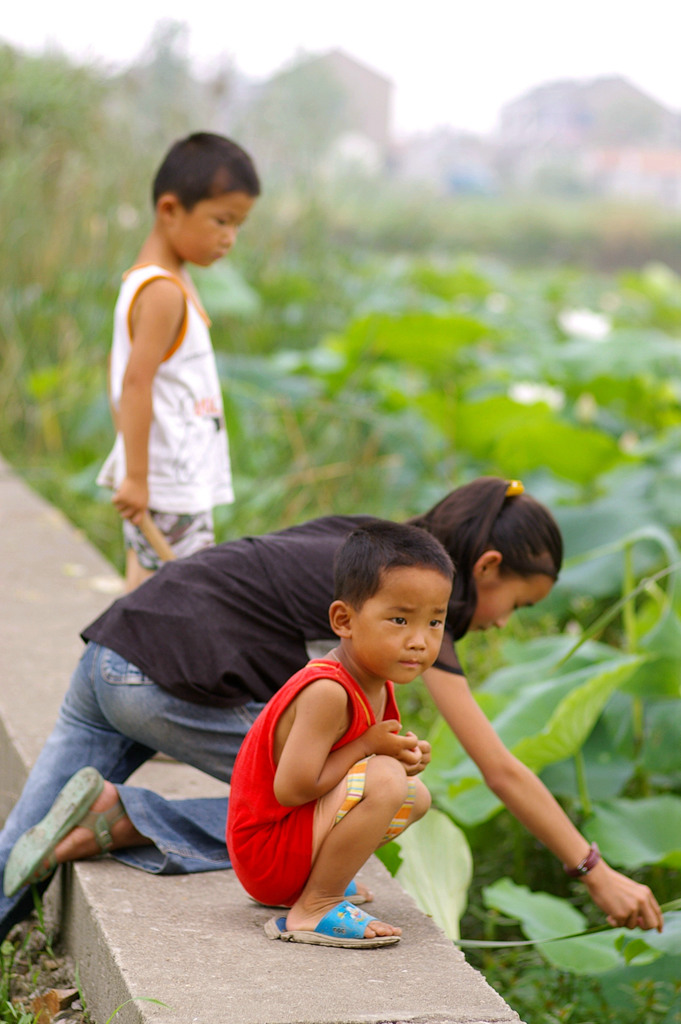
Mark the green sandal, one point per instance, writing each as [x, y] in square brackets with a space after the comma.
[33, 858]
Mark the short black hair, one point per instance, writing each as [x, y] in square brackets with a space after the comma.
[204, 166]
[374, 549]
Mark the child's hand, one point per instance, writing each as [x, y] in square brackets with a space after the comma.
[423, 748]
[384, 738]
[132, 499]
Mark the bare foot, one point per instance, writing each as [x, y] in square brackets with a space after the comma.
[81, 843]
[304, 919]
[362, 891]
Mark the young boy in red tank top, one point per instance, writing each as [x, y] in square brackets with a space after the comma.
[323, 777]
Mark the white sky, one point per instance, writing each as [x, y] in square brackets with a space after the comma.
[453, 62]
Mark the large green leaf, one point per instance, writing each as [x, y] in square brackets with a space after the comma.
[572, 705]
[451, 281]
[667, 941]
[662, 674]
[531, 707]
[665, 637]
[575, 717]
[635, 833]
[661, 754]
[576, 453]
[225, 292]
[622, 355]
[568, 704]
[543, 916]
[445, 749]
[595, 536]
[518, 439]
[436, 869]
[539, 658]
[525, 713]
[606, 770]
[469, 802]
[420, 339]
[480, 426]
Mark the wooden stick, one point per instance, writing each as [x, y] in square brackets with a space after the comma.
[156, 539]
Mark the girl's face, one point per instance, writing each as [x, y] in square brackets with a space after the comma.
[499, 594]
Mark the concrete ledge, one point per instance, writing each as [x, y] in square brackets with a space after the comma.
[195, 942]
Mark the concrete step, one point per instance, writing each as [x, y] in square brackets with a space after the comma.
[194, 943]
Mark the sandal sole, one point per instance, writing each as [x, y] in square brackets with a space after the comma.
[272, 931]
[36, 845]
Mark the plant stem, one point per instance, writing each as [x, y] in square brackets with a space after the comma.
[637, 722]
[582, 787]
[629, 610]
[630, 635]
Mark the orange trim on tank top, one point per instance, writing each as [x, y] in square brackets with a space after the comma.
[357, 695]
[189, 296]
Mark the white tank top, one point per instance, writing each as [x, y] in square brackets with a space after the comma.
[189, 469]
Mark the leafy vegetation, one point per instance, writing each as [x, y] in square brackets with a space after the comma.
[369, 365]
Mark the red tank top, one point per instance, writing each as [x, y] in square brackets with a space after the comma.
[270, 846]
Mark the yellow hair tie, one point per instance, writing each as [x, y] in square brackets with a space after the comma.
[514, 487]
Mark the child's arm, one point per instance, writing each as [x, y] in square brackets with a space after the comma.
[112, 408]
[307, 768]
[625, 901]
[156, 321]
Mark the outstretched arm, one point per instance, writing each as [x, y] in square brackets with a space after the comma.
[624, 901]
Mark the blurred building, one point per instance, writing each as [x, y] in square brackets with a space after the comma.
[573, 114]
[650, 175]
[346, 105]
[329, 112]
[368, 97]
[456, 163]
[602, 137]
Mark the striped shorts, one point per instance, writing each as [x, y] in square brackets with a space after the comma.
[355, 791]
[185, 534]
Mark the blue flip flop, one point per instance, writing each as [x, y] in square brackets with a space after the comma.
[342, 926]
[32, 858]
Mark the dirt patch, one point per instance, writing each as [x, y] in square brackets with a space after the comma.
[41, 977]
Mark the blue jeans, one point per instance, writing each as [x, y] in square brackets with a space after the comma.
[115, 718]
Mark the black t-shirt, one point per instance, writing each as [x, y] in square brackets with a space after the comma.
[231, 623]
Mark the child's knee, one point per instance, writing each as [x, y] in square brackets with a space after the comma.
[422, 802]
[414, 806]
[386, 780]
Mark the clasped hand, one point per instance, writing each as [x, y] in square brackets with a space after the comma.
[385, 738]
[131, 499]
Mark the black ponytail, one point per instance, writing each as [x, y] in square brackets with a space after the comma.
[481, 516]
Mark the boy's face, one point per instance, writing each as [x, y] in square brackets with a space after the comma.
[397, 633]
[208, 231]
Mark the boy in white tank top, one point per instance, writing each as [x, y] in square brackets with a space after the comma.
[171, 458]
